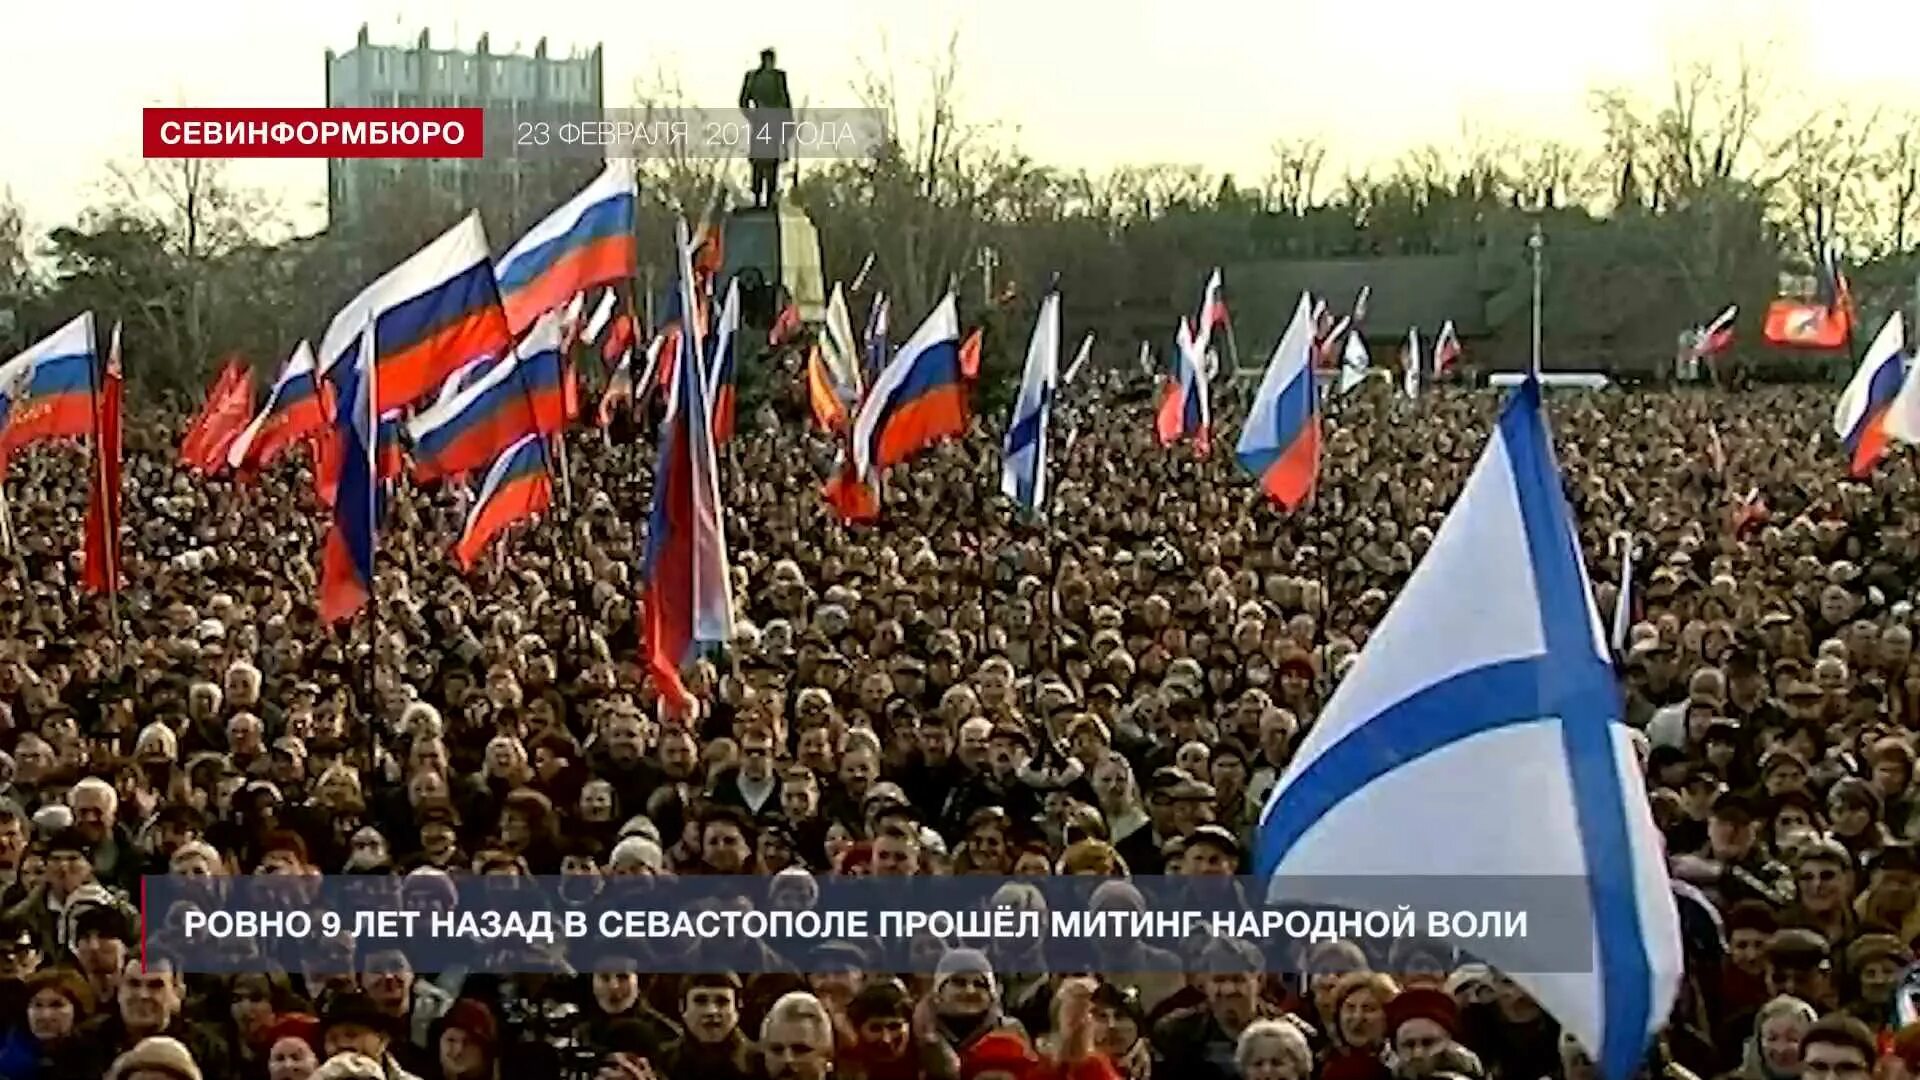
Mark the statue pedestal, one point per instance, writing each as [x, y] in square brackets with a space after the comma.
[780, 247]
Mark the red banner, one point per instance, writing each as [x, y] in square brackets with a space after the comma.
[313, 133]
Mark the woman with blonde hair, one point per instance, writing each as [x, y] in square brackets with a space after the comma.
[1118, 794]
[1273, 1050]
[1773, 1050]
[1358, 1027]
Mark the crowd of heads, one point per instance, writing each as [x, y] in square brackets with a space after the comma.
[1111, 690]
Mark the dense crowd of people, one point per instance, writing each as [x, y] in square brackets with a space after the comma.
[953, 690]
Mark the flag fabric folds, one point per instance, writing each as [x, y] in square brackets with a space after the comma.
[227, 412]
[1860, 417]
[723, 366]
[346, 560]
[786, 325]
[1280, 443]
[1185, 411]
[100, 555]
[1080, 357]
[297, 407]
[970, 354]
[432, 314]
[918, 399]
[840, 353]
[46, 392]
[587, 241]
[1717, 336]
[1496, 754]
[854, 500]
[1213, 311]
[517, 487]
[878, 316]
[1446, 350]
[687, 599]
[1355, 361]
[619, 391]
[1825, 322]
[823, 398]
[1023, 468]
[519, 395]
[1410, 364]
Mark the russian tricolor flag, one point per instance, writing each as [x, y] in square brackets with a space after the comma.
[588, 241]
[295, 409]
[1023, 469]
[688, 602]
[722, 365]
[918, 399]
[432, 314]
[1213, 311]
[1860, 416]
[1185, 411]
[1280, 444]
[521, 395]
[517, 487]
[46, 392]
[346, 562]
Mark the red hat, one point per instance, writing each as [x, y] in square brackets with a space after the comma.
[475, 1019]
[1423, 1003]
[294, 1026]
[1001, 1051]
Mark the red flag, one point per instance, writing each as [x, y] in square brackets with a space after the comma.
[851, 497]
[228, 409]
[1822, 323]
[970, 355]
[100, 560]
[785, 326]
[828, 410]
[570, 388]
[619, 337]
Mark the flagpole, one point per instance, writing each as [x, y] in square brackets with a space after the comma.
[1535, 243]
[109, 527]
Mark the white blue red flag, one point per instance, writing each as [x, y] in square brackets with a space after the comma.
[517, 487]
[520, 395]
[297, 407]
[46, 392]
[1023, 469]
[723, 365]
[1497, 755]
[346, 560]
[1280, 444]
[1860, 416]
[587, 241]
[688, 598]
[1185, 408]
[432, 314]
[918, 399]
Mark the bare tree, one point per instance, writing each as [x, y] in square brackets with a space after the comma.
[1825, 188]
[1293, 184]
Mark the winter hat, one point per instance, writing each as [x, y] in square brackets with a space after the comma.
[475, 1020]
[157, 1054]
[1424, 1003]
[964, 961]
[350, 1066]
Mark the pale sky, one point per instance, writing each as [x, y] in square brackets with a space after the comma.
[1082, 84]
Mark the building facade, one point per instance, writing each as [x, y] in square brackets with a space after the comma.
[512, 189]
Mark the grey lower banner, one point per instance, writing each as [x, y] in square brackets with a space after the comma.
[686, 134]
[510, 924]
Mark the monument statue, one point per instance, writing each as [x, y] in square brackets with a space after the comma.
[763, 97]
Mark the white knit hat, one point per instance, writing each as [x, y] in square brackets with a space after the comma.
[160, 1054]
